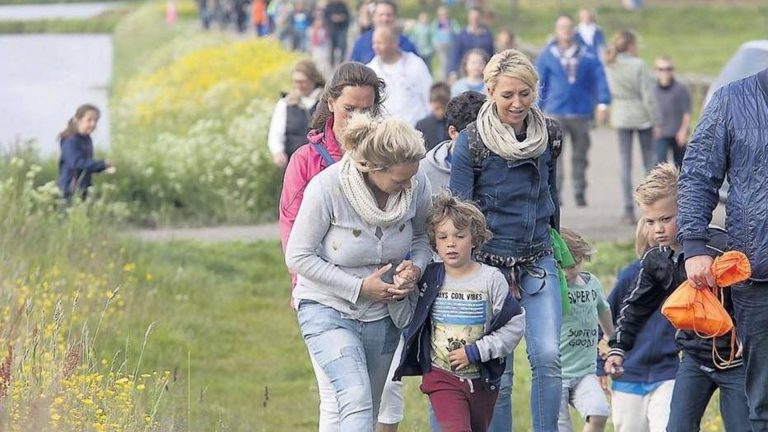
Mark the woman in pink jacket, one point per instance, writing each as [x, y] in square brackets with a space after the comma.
[353, 88]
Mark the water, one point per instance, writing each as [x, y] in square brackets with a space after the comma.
[44, 78]
[54, 11]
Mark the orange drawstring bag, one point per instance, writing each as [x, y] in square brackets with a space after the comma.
[701, 310]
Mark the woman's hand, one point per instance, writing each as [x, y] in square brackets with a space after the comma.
[376, 289]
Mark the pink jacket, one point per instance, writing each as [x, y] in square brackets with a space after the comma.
[305, 163]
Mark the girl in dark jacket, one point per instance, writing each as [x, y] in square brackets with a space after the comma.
[76, 163]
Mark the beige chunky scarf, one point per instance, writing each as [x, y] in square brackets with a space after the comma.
[500, 137]
[361, 197]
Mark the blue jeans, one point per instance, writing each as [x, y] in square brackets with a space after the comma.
[694, 386]
[502, 412]
[664, 145]
[645, 136]
[750, 303]
[356, 357]
[543, 318]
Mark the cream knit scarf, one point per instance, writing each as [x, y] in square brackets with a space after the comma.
[361, 197]
[500, 137]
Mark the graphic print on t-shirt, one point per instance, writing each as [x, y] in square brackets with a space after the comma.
[458, 319]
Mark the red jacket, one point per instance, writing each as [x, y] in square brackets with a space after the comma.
[305, 163]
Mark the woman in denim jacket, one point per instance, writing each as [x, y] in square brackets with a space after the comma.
[505, 162]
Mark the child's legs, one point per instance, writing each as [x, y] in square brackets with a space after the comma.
[391, 410]
[329, 406]
[337, 346]
[629, 412]
[449, 398]
[481, 404]
[564, 423]
[659, 403]
[380, 340]
[733, 399]
[502, 412]
[541, 300]
[691, 394]
[588, 398]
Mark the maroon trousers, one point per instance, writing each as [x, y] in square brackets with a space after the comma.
[460, 405]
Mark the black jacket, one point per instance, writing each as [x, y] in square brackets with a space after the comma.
[416, 358]
[662, 272]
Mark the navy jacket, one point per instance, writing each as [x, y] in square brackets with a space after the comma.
[362, 51]
[416, 358]
[730, 139]
[560, 98]
[662, 272]
[518, 199]
[465, 41]
[76, 164]
[654, 356]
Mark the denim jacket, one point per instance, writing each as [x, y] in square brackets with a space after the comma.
[518, 198]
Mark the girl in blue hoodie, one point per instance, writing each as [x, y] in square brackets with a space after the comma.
[76, 163]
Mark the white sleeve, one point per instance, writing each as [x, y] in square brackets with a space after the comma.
[504, 340]
[276, 137]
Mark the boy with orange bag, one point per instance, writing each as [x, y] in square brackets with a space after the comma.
[663, 270]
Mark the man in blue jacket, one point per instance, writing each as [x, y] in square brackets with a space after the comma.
[384, 15]
[731, 140]
[572, 81]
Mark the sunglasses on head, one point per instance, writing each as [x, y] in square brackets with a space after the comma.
[665, 69]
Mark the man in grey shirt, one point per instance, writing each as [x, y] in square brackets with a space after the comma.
[673, 103]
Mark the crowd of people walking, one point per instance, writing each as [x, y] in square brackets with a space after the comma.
[420, 219]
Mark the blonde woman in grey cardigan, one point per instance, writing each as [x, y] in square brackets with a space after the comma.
[359, 221]
[633, 109]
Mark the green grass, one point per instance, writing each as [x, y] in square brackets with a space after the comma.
[228, 305]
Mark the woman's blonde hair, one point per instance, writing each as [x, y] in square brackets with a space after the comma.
[660, 183]
[620, 42]
[643, 241]
[514, 64]
[377, 144]
[462, 213]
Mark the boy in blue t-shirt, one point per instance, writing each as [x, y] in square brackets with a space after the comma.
[578, 340]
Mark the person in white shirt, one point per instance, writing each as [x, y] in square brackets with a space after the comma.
[290, 119]
[406, 75]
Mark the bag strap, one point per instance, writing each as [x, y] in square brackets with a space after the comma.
[717, 360]
[324, 153]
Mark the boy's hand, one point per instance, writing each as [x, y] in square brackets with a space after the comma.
[699, 271]
[613, 366]
[458, 358]
[514, 288]
[405, 279]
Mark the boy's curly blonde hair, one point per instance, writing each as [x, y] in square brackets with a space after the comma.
[462, 213]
